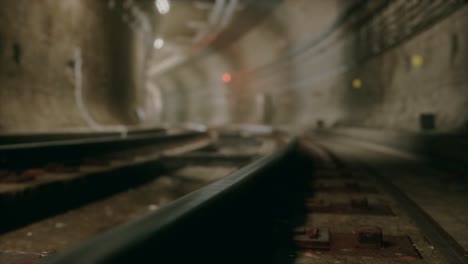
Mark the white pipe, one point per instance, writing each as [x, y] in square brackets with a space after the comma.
[80, 102]
[217, 12]
[78, 92]
[228, 13]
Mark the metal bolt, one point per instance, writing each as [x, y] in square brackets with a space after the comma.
[370, 237]
[313, 233]
[312, 238]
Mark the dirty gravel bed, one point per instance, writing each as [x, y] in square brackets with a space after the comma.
[69, 229]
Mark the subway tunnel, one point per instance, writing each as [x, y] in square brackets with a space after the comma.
[295, 131]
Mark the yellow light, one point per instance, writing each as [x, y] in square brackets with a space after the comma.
[356, 83]
[417, 61]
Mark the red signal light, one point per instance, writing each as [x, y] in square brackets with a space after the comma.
[226, 77]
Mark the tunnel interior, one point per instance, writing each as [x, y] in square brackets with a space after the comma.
[352, 75]
[295, 65]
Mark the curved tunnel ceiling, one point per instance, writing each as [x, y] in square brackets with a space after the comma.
[302, 65]
[261, 40]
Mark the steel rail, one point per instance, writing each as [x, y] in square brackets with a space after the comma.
[32, 154]
[19, 138]
[45, 198]
[224, 222]
[453, 252]
[448, 247]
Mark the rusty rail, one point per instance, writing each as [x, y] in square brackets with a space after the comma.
[227, 221]
[30, 154]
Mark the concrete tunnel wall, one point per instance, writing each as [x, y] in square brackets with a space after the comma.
[395, 93]
[303, 81]
[41, 46]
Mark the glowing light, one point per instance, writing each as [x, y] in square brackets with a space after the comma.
[162, 6]
[356, 83]
[158, 43]
[226, 77]
[417, 61]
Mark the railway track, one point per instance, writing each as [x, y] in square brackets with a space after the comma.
[78, 171]
[301, 203]
[123, 178]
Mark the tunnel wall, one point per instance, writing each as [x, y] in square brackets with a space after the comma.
[395, 92]
[295, 70]
[313, 85]
[41, 46]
